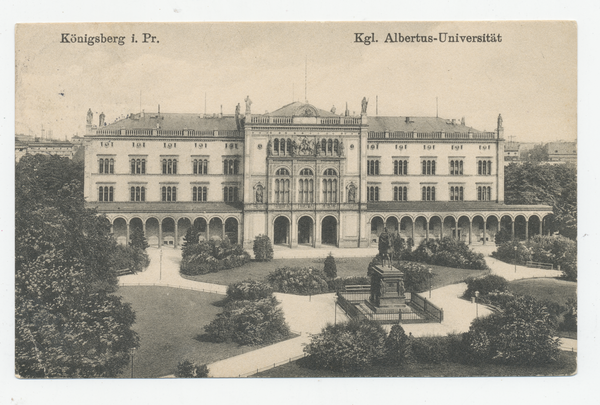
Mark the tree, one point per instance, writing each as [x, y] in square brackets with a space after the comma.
[263, 249]
[539, 153]
[188, 369]
[554, 185]
[191, 237]
[68, 322]
[396, 347]
[329, 267]
[523, 333]
[137, 239]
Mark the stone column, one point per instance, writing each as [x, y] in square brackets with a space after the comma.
[541, 223]
[413, 229]
[127, 241]
[442, 229]
[223, 230]
[160, 233]
[426, 230]
[470, 231]
[526, 228]
[484, 230]
[176, 234]
[144, 227]
[512, 227]
[456, 229]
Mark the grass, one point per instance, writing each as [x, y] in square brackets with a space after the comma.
[566, 365]
[346, 267]
[169, 322]
[550, 289]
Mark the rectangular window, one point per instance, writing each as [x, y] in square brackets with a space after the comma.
[456, 167]
[484, 167]
[401, 167]
[484, 193]
[199, 193]
[428, 193]
[373, 167]
[428, 167]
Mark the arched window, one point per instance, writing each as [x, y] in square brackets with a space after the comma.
[306, 187]
[282, 172]
[479, 166]
[306, 172]
[329, 172]
[282, 186]
[324, 145]
[132, 166]
[330, 186]
[452, 167]
[336, 147]
[101, 167]
[433, 167]
[290, 145]
[329, 146]
[282, 146]
[164, 166]
[112, 166]
[276, 145]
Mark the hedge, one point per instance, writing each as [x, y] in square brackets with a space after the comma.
[448, 252]
[298, 280]
[212, 256]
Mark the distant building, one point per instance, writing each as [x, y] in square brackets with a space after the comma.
[511, 152]
[562, 152]
[301, 175]
[26, 145]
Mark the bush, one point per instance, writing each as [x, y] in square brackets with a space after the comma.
[485, 285]
[416, 276]
[570, 320]
[329, 267]
[263, 249]
[503, 236]
[397, 347]
[298, 280]
[249, 290]
[521, 334]
[192, 237]
[349, 346]
[557, 250]
[212, 256]
[448, 252]
[339, 284]
[188, 369]
[249, 323]
[431, 349]
[128, 257]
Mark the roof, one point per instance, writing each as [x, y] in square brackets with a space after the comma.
[298, 109]
[174, 121]
[417, 124]
[562, 148]
[450, 207]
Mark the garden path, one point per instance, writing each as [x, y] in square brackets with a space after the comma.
[308, 315]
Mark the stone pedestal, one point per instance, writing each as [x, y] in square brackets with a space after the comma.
[387, 289]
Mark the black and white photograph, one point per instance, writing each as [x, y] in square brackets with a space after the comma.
[296, 200]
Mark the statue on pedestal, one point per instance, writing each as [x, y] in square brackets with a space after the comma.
[364, 104]
[351, 193]
[259, 194]
[90, 116]
[248, 104]
[499, 121]
[101, 119]
[385, 247]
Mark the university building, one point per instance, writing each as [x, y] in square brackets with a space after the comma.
[301, 175]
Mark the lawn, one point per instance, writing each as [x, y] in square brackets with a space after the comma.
[346, 267]
[169, 321]
[551, 289]
[566, 365]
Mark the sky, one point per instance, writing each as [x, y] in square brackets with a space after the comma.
[530, 77]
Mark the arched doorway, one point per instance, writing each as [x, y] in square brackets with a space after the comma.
[168, 232]
[152, 232]
[492, 228]
[329, 231]
[305, 231]
[435, 227]
[520, 227]
[201, 226]
[392, 225]
[463, 232]
[281, 231]
[376, 229]
[231, 230]
[449, 227]
[215, 229]
[183, 224]
[477, 235]
[534, 226]
[120, 231]
[406, 227]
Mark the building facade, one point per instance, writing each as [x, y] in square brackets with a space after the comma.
[301, 175]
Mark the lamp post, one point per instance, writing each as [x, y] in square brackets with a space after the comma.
[476, 304]
[132, 351]
[516, 248]
[430, 271]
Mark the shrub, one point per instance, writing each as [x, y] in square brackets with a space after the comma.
[329, 267]
[503, 236]
[188, 369]
[485, 285]
[430, 349]
[249, 323]
[397, 347]
[449, 252]
[298, 280]
[263, 249]
[557, 250]
[339, 283]
[191, 237]
[212, 256]
[416, 276]
[349, 346]
[127, 257]
[570, 320]
[249, 290]
[521, 334]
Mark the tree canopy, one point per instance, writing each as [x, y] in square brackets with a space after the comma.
[554, 185]
[68, 323]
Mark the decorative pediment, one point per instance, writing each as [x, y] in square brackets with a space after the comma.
[306, 110]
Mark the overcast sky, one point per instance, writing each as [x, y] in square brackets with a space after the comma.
[530, 77]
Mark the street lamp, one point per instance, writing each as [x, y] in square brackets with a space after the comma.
[132, 351]
[476, 304]
[430, 271]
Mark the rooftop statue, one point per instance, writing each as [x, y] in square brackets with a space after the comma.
[248, 104]
[90, 116]
[499, 121]
[364, 104]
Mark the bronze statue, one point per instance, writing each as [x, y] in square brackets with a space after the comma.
[385, 247]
